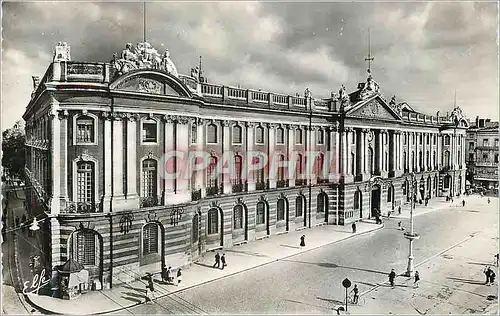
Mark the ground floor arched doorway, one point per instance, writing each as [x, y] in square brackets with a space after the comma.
[375, 200]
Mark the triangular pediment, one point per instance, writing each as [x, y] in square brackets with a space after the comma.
[151, 82]
[373, 108]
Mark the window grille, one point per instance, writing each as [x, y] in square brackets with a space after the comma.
[84, 130]
[150, 239]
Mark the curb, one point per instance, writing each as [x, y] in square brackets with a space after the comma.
[225, 276]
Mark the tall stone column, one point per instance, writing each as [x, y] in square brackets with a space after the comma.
[344, 152]
[63, 116]
[292, 165]
[424, 150]
[226, 148]
[349, 151]
[380, 159]
[169, 145]
[55, 203]
[439, 151]
[108, 158]
[200, 174]
[117, 161]
[392, 151]
[273, 171]
[182, 191]
[417, 152]
[312, 148]
[362, 151]
[132, 197]
[251, 173]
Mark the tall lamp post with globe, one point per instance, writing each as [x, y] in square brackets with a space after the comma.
[411, 235]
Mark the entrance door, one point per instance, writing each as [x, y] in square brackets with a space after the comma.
[375, 205]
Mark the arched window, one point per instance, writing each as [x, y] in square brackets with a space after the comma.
[85, 183]
[237, 139]
[320, 160]
[212, 133]
[238, 167]
[238, 216]
[281, 209]
[299, 167]
[150, 239]
[149, 194]
[259, 135]
[370, 161]
[281, 171]
[261, 213]
[321, 203]
[298, 136]
[211, 174]
[85, 246]
[149, 131]
[357, 199]
[280, 135]
[446, 182]
[320, 137]
[390, 193]
[299, 206]
[85, 130]
[213, 221]
[195, 227]
[194, 134]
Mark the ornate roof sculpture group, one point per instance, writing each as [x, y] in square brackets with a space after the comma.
[143, 56]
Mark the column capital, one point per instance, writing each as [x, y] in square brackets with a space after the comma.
[62, 114]
[250, 124]
[293, 126]
[226, 123]
[132, 117]
[335, 126]
[183, 120]
[169, 118]
[365, 130]
[272, 125]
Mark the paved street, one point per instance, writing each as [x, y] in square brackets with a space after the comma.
[310, 282]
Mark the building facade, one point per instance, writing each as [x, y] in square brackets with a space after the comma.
[104, 139]
[482, 154]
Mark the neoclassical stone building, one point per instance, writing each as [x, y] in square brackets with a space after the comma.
[98, 134]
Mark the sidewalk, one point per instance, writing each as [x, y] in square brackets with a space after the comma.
[239, 259]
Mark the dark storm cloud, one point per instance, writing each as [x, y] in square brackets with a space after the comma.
[423, 51]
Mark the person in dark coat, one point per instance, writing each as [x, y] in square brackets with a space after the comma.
[496, 259]
[492, 277]
[217, 260]
[179, 276]
[417, 279]
[223, 261]
[353, 227]
[392, 276]
[399, 210]
[463, 203]
[150, 288]
[487, 273]
[302, 241]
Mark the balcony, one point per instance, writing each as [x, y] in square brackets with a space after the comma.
[321, 181]
[282, 183]
[260, 186]
[83, 207]
[150, 201]
[211, 191]
[239, 186]
[196, 195]
[300, 182]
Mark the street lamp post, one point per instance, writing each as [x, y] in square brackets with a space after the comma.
[411, 235]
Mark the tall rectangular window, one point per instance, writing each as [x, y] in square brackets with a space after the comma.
[237, 139]
[280, 135]
[471, 145]
[212, 134]
[213, 221]
[86, 248]
[261, 210]
[259, 135]
[149, 178]
[486, 142]
[298, 136]
[149, 131]
[85, 182]
[320, 137]
[84, 130]
[211, 174]
[150, 239]
[194, 133]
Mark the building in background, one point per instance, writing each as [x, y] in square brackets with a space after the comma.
[97, 134]
[482, 155]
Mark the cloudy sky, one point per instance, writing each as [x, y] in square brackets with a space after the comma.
[423, 51]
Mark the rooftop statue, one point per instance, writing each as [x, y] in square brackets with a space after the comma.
[343, 96]
[143, 56]
[307, 93]
[62, 52]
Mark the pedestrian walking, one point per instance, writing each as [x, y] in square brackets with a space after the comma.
[400, 226]
[426, 201]
[492, 277]
[353, 227]
[302, 241]
[392, 276]
[168, 275]
[217, 260]
[496, 259]
[179, 276]
[417, 279]
[463, 203]
[487, 273]
[150, 288]
[223, 261]
[355, 297]
[489, 201]
[399, 210]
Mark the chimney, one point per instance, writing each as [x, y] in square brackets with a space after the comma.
[477, 121]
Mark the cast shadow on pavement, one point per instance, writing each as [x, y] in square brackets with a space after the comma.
[304, 303]
[289, 246]
[480, 263]
[334, 266]
[330, 300]
[133, 297]
[207, 265]
[134, 289]
[250, 253]
[467, 281]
